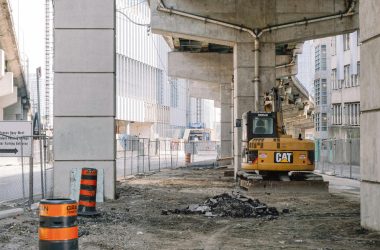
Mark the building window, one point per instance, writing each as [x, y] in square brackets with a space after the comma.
[358, 75]
[333, 46]
[174, 93]
[323, 57]
[347, 78]
[324, 92]
[159, 87]
[320, 58]
[317, 58]
[334, 81]
[324, 122]
[352, 114]
[317, 91]
[346, 42]
[337, 114]
[316, 121]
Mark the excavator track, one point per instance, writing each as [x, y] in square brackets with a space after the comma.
[298, 182]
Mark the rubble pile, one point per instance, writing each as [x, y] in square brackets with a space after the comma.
[229, 205]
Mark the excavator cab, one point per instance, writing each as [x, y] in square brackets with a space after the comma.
[259, 125]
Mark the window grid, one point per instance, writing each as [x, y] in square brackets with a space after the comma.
[317, 90]
[346, 42]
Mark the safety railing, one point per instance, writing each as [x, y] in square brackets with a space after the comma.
[26, 170]
[142, 155]
[340, 157]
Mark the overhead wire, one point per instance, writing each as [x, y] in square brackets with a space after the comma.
[133, 5]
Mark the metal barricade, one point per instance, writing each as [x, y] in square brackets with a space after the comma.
[141, 155]
[28, 176]
[340, 157]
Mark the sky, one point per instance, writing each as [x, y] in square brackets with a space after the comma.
[29, 25]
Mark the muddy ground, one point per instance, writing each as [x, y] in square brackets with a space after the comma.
[135, 220]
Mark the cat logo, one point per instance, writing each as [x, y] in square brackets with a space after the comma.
[283, 157]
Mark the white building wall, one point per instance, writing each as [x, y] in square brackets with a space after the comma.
[305, 66]
[346, 93]
[143, 88]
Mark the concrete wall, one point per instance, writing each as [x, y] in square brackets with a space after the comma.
[84, 93]
[370, 117]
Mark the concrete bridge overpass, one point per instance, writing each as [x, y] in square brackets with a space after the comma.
[14, 96]
[256, 30]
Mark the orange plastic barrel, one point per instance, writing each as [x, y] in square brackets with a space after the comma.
[58, 224]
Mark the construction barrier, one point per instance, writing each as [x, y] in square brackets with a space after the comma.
[188, 158]
[58, 224]
[87, 193]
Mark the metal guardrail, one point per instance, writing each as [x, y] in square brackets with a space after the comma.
[340, 157]
[27, 178]
[141, 155]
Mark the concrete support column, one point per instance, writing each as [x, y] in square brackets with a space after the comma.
[84, 91]
[226, 120]
[244, 87]
[370, 116]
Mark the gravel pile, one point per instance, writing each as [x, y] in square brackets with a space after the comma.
[229, 205]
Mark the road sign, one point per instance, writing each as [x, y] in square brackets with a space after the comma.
[10, 142]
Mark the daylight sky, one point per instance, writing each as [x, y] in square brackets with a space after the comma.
[29, 22]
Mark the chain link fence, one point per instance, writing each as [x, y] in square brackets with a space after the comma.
[141, 155]
[340, 157]
[25, 178]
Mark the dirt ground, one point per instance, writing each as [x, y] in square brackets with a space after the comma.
[135, 219]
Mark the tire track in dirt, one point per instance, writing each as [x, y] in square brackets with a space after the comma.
[214, 240]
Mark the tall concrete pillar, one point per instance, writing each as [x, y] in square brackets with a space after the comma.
[370, 113]
[226, 120]
[243, 84]
[84, 91]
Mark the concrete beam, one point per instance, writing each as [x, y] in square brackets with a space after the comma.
[206, 67]
[8, 43]
[7, 100]
[217, 67]
[254, 14]
[204, 90]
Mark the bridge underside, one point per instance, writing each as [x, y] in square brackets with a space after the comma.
[14, 97]
[269, 27]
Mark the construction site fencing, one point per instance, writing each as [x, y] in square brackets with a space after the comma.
[340, 157]
[27, 178]
[142, 155]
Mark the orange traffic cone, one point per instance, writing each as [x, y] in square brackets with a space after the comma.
[87, 193]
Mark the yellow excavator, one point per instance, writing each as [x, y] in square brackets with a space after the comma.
[268, 153]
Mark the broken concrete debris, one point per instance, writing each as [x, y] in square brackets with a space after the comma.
[229, 205]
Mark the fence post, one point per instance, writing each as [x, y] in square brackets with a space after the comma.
[166, 161]
[22, 169]
[171, 155]
[30, 202]
[321, 159]
[143, 153]
[138, 155]
[159, 154]
[149, 154]
[41, 165]
[176, 163]
[350, 150]
[132, 158]
[125, 158]
[45, 161]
